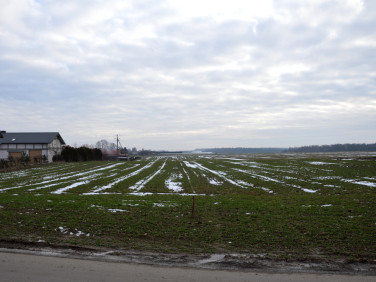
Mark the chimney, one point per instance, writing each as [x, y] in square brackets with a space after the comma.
[1, 133]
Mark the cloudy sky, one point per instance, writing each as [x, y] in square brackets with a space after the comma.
[180, 75]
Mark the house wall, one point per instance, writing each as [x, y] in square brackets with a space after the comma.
[54, 149]
[4, 154]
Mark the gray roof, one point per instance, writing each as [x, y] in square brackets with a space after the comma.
[30, 138]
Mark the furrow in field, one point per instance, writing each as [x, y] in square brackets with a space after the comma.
[96, 169]
[265, 178]
[110, 185]
[246, 164]
[150, 193]
[239, 183]
[258, 175]
[187, 175]
[360, 182]
[11, 188]
[219, 174]
[210, 180]
[33, 172]
[82, 179]
[62, 190]
[141, 184]
[51, 180]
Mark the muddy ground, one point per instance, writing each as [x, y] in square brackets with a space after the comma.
[241, 262]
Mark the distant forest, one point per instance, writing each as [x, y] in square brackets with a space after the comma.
[304, 149]
[334, 148]
[242, 150]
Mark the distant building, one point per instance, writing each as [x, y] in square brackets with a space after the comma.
[36, 145]
[114, 155]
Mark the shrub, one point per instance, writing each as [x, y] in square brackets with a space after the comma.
[70, 154]
[4, 164]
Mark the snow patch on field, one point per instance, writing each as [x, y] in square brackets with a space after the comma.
[320, 163]
[48, 186]
[215, 182]
[173, 185]
[54, 177]
[11, 188]
[110, 185]
[141, 184]
[62, 190]
[116, 210]
[72, 232]
[150, 193]
[304, 189]
[332, 186]
[188, 164]
[326, 177]
[218, 173]
[246, 164]
[232, 159]
[242, 182]
[164, 205]
[265, 178]
[365, 183]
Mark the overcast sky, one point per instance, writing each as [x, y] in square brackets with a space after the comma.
[180, 75]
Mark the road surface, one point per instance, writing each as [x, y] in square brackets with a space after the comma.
[27, 267]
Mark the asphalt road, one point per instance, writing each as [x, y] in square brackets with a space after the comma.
[25, 267]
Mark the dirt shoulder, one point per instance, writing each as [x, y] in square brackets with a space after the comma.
[239, 262]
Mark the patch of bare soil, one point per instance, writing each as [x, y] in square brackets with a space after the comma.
[240, 262]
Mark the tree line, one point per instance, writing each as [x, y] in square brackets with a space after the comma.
[81, 154]
[333, 148]
[240, 150]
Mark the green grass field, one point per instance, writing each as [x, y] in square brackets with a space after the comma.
[293, 206]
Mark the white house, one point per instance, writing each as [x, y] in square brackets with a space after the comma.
[34, 144]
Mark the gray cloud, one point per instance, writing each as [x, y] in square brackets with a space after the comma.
[286, 73]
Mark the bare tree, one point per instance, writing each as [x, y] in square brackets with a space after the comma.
[102, 144]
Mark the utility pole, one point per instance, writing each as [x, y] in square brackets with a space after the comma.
[117, 145]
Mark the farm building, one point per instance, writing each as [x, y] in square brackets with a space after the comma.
[36, 145]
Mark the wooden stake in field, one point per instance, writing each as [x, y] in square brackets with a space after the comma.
[193, 206]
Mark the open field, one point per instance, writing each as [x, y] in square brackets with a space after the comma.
[284, 206]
